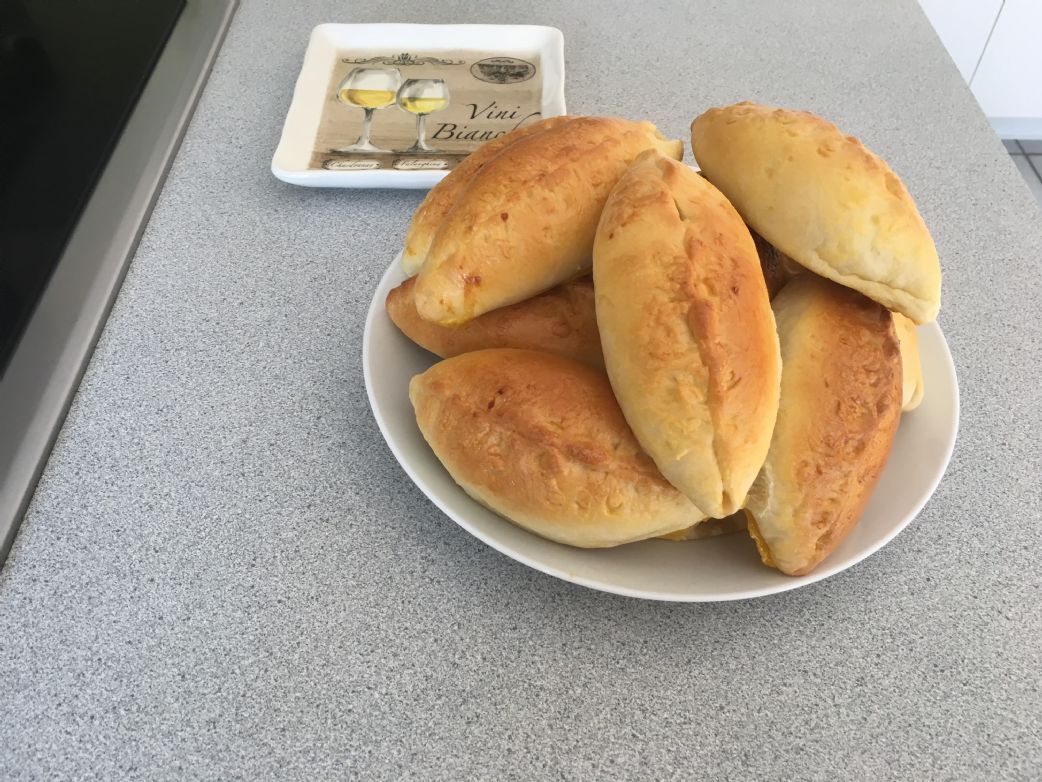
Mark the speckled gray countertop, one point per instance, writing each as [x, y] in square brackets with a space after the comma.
[225, 574]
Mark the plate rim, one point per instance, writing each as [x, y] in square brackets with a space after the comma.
[376, 307]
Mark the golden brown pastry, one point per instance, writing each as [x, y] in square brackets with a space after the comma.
[777, 267]
[687, 331]
[911, 369]
[710, 528]
[525, 221]
[840, 406]
[540, 440]
[824, 200]
[431, 213]
[560, 321]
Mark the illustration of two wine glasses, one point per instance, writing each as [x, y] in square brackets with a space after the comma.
[379, 88]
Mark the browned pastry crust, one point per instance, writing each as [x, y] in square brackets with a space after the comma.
[540, 440]
[525, 221]
[687, 330]
[840, 406]
[441, 198]
[560, 321]
[824, 200]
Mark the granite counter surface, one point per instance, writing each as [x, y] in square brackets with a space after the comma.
[225, 574]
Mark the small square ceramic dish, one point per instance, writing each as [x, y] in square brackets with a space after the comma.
[398, 105]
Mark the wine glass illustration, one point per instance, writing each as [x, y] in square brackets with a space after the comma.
[422, 97]
[369, 89]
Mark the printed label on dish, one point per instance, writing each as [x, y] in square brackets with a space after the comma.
[502, 70]
[351, 165]
[413, 112]
[420, 164]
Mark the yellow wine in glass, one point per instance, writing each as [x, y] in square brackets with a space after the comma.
[367, 99]
[369, 89]
[424, 105]
[422, 97]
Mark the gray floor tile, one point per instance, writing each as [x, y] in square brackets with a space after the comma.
[1011, 146]
[1031, 147]
[1029, 175]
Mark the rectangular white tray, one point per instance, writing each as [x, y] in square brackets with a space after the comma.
[291, 162]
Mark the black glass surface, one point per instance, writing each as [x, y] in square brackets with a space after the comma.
[70, 74]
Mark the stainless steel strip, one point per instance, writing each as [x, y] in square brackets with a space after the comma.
[46, 368]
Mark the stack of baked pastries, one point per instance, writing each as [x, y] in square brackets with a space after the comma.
[633, 349]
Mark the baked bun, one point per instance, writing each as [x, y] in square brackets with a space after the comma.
[560, 321]
[824, 200]
[911, 368]
[540, 440]
[525, 221]
[840, 406]
[687, 331]
[428, 218]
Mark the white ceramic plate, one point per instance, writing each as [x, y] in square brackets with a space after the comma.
[723, 568]
[291, 162]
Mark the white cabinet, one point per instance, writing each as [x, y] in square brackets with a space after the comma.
[1008, 82]
[997, 46]
[963, 27]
